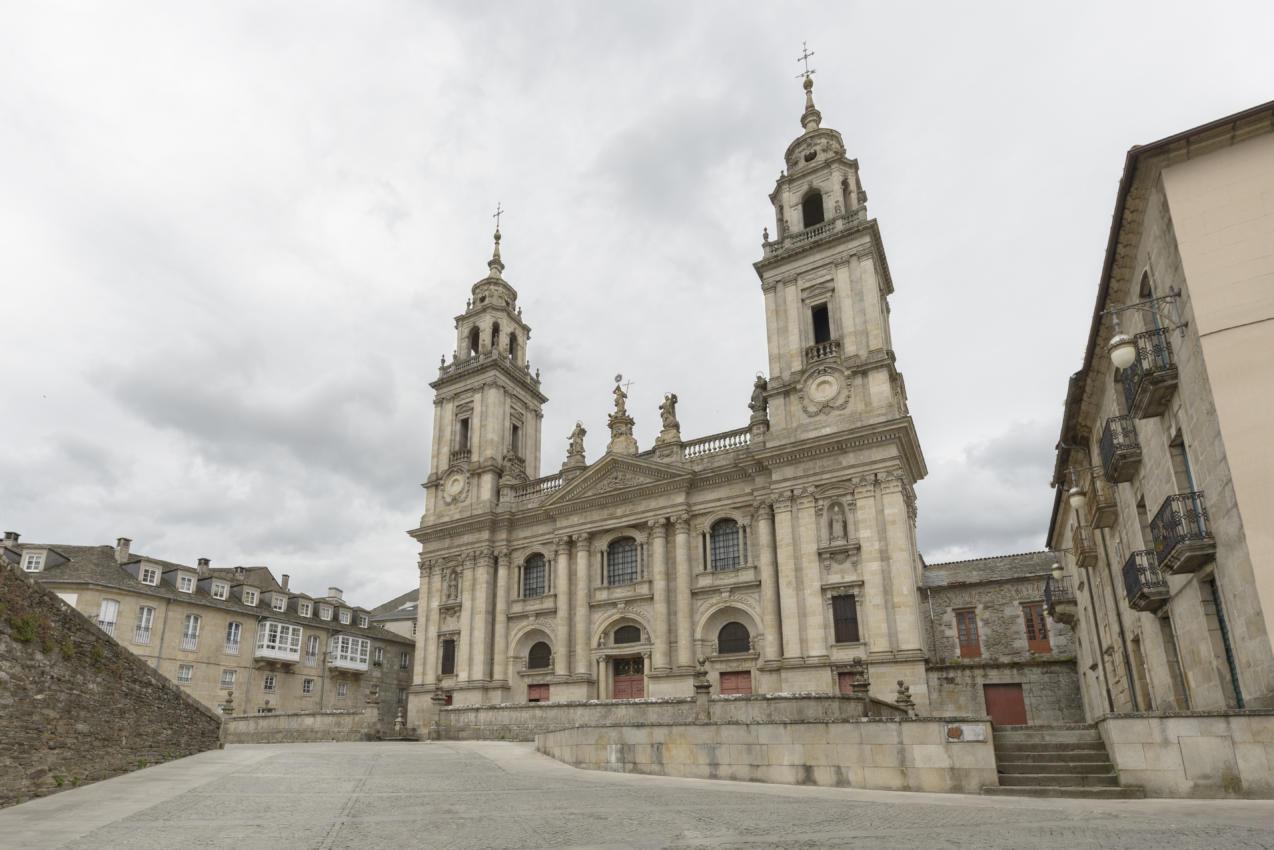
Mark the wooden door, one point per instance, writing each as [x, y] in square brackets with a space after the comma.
[1005, 704]
[630, 683]
[736, 683]
[845, 682]
[537, 693]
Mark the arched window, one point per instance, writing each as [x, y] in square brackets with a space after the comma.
[534, 577]
[495, 337]
[539, 657]
[621, 561]
[627, 634]
[513, 346]
[475, 340]
[733, 637]
[812, 208]
[724, 537]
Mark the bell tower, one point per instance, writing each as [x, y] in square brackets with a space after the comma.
[826, 284]
[487, 404]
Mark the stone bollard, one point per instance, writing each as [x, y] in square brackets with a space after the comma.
[703, 691]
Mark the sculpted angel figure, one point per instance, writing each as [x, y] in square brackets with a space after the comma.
[577, 440]
[668, 412]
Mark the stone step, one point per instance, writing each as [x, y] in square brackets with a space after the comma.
[1059, 736]
[1090, 767]
[1126, 792]
[1046, 748]
[1063, 780]
[1055, 757]
[1044, 727]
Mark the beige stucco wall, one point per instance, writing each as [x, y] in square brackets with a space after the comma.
[906, 755]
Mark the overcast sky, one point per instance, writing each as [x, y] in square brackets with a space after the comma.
[233, 238]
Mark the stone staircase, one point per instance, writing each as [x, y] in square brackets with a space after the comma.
[1063, 760]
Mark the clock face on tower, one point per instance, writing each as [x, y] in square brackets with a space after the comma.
[455, 486]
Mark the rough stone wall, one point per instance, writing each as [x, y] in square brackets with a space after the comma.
[522, 722]
[298, 727]
[75, 706]
[901, 755]
[1001, 627]
[1050, 688]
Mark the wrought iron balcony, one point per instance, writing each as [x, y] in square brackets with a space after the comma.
[1182, 534]
[189, 643]
[1144, 583]
[1103, 510]
[1120, 449]
[232, 647]
[822, 350]
[141, 636]
[107, 626]
[1083, 545]
[1059, 600]
[1152, 378]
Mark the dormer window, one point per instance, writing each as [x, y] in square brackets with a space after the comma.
[279, 603]
[220, 590]
[345, 616]
[33, 562]
[812, 209]
[304, 609]
[325, 612]
[249, 596]
[185, 583]
[148, 575]
[363, 621]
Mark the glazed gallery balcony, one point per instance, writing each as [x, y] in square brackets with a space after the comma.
[1152, 378]
[278, 642]
[1120, 449]
[1059, 600]
[1144, 583]
[1182, 534]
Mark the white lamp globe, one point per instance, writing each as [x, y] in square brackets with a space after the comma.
[1058, 572]
[1076, 498]
[1122, 351]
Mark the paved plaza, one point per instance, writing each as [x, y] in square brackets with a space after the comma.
[496, 795]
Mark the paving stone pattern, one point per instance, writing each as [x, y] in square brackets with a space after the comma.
[503, 795]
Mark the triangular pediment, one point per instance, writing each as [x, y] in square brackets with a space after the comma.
[617, 474]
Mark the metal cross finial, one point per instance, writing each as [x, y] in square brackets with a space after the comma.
[806, 53]
[499, 211]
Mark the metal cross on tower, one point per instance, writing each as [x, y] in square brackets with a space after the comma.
[806, 53]
[499, 211]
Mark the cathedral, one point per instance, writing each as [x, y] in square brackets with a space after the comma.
[780, 556]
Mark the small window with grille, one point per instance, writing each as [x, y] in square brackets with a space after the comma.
[627, 634]
[733, 637]
[621, 561]
[534, 573]
[539, 657]
[845, 619]
[724, 538]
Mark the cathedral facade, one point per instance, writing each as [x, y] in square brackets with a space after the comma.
[781, 556]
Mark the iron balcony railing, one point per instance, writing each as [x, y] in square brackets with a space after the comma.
[1120, 449]
[107, 626]
[1148, 382]
[1182, 533]
[1057, 591]
[232, 647]
[188, 642]
[1144, 583]
[141, 636]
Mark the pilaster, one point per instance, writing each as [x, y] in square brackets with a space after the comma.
[500, 638]
[906, 598]
[874, 557]
[658, 548]
[813, 615]
[789, 589]
[685, 628]
[581, 618]
[464, 646]
[768, 565]
[562, 601]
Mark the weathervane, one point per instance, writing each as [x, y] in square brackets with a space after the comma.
[806, 53]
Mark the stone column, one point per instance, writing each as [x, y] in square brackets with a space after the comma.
[875, 607]
[464, 647]
[659, 586]
[562, 599]
[426, 622]
[480, 647]
[901, 565]
[580, 618]
[500, 639]
[789, 588]
[685, 629]
[768, 567]
[811, 579]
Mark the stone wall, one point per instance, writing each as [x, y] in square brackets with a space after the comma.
[902, 755]
[299, 727]
[1051, 688]
[1193, 753]
[523, 721]
[75, 706]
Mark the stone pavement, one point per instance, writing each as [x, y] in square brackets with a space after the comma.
[498, 795]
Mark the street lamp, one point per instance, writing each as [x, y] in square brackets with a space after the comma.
[1058, 572]
[1122, 348]
[1077, 499]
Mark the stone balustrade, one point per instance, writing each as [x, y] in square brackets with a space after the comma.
[537, 487]
[716, 443]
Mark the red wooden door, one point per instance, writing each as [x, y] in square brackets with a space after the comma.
[1005, 704]
[629, 681]
[736, 683]
[537, 693]
[845, 683]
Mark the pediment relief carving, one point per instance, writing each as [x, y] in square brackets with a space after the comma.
[612, 475]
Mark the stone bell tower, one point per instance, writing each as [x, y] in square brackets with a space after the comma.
[826, 284]
[487, 405]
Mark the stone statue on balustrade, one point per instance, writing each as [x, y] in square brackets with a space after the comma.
[575, 450]
[668, 443]
[758, 405]
[621, 424]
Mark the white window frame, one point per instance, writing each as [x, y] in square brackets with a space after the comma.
[278, 603]
[185, 673]
[148, 575]
[342, 689]
[33, 562]
[249, 596]
[325, 612]
[279, 637]
[304, 609]
[344, 617]
[228, 676]
[145, 624]
[185, 583]
[404, 660]
[378, 655]
[362, 621]
[312, 642]
[220, 590]
[349, 648]
[234, 637]
[269, 683]
[307, 687]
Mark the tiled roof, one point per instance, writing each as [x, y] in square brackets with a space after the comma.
[398, 607]
[96, 565]
[994, 568]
